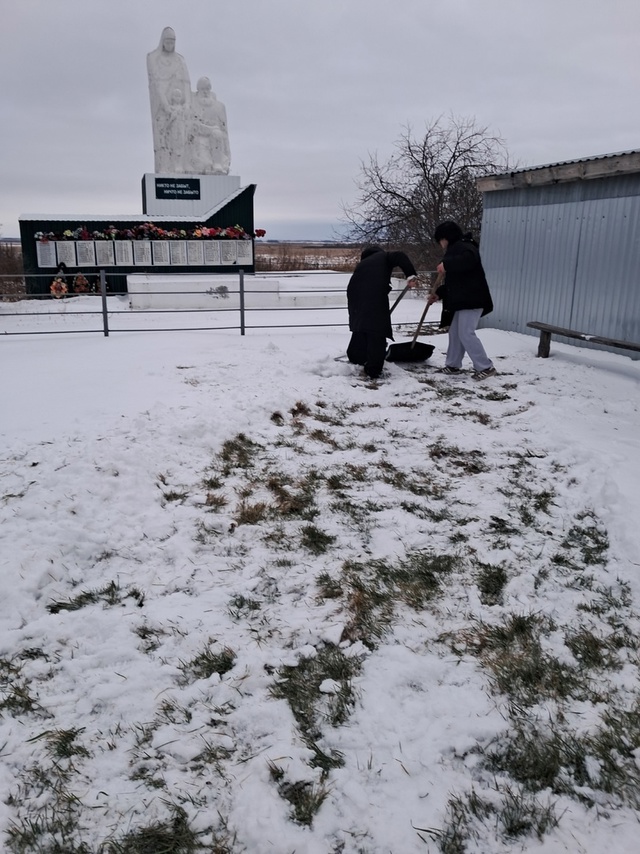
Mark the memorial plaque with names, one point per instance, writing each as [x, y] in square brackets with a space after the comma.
[104, 253]
[124, 253]
[178, 252]
[211, 252]
[195, 255]
[86, 253]
[66, 252]
[142, 252]
[160, 252]
[228, 251]
[245, 252]
[46, 253]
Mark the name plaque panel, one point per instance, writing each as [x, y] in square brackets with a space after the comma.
[104, 253]
[85, 250]
[142, 252]
[212, 252]
[66, 252]
[160, 252]
[195, 255]
[229, 252]
[245, 252]
[46, 254]
[148, 253]
[178, 252]
[124, 253]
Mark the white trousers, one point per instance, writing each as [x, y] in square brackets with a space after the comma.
[463, 339]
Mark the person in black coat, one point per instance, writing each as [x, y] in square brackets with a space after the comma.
[368, 304]
[465, 296]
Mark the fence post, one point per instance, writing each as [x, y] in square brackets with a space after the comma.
[103, 294]
[242, 326]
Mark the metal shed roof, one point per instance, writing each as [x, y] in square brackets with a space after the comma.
[598, 166]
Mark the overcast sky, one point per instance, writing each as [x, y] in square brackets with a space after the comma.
[311, 88]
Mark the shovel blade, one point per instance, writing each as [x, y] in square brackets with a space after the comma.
[407, 351]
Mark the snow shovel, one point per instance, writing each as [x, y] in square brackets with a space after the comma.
[412, 351]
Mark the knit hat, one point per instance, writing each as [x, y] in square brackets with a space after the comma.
[448, 230]
[369, 250]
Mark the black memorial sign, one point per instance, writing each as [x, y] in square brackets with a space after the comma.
[177, 188]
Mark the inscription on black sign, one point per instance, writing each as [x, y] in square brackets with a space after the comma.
[177, 188]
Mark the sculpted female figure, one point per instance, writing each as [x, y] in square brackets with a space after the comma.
[170, 95]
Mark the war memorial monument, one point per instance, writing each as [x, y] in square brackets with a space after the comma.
[196, 216]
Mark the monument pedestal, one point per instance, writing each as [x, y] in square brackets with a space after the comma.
[186, 195]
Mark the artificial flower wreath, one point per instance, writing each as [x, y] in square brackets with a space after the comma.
[58, 288]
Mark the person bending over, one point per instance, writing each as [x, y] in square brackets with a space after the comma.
[368, 305]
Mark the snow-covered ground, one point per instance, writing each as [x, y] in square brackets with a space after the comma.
[129, 471]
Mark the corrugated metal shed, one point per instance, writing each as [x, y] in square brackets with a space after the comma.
[563, 248]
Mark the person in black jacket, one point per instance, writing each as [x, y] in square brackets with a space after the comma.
[465, 294]
[368, 304]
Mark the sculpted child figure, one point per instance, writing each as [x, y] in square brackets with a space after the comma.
[171, 154]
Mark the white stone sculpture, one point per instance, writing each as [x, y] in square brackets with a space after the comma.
[208, 139]
[189, 129]
[168, 75]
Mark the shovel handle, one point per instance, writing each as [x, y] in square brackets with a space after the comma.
[419, 326]
[399, 298]
[436, 284]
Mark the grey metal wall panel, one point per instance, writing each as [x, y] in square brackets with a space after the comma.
[566, 254]
[529, 255]
[607, 292]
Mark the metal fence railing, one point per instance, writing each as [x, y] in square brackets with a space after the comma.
[239, 298]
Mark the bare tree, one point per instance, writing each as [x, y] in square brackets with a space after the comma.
[424, 182]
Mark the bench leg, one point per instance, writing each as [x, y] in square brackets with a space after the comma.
[545, 344]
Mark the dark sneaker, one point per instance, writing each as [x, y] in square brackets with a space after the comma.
[448, 370]
[484, 375]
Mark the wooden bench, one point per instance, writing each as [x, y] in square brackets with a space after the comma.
[546, 331]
